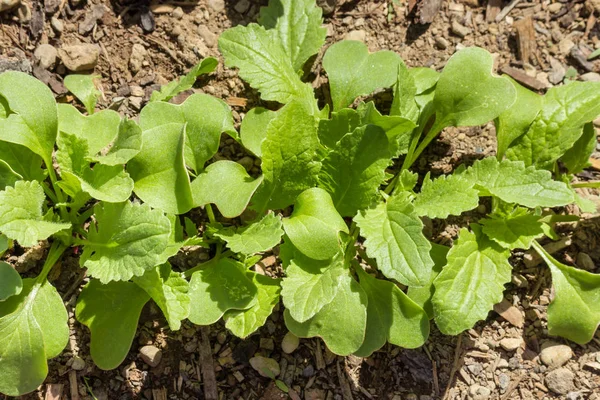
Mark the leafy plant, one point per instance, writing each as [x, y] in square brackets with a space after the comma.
[335, 199]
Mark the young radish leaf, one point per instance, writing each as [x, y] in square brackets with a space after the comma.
[8, 177]
[576, 159]
[111, 312]
[514, 230]
[186, 82]
[422, 295]
[255, 238]
[472, 282]
[575, 311]
[124, 147]
[457, 193]
[253, 130]
[84, 88]
[360, 74]
[34, 328]
[314, 225]
[22, 161]
[394, 238]
[10, 281]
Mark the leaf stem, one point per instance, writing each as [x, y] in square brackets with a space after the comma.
[210, 213]
[60, 196]
[56, 250]
[433, 132]
[594, 184]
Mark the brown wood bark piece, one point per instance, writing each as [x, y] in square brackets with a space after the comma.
[208, 369]
[427, 10]
[54, 391]
[492, 10]
[526, 38]
[521, 77]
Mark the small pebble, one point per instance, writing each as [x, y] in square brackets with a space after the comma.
[151, 355]
[264, 365]
[459, 30]
[242, 6]
[478, 392]
[560, 381]
[359, 35]
[177, 13]
[290, 343]
[78, 364]
[511, 344]
[555, 355]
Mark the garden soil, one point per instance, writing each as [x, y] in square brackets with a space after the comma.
[137, 46]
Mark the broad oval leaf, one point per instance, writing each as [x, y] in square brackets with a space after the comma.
[126, 145]
[111, 312]
[253, 129]
[394, 237]
[84, 88]
[576, 159]
[353, 72]
[126, 240]
[10, 281]
[472, 282]
[255, 238]
[314, 225]
[22, 161]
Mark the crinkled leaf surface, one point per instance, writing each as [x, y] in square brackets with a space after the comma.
[34, 328]
[227, 185]
[341, 323]
[342, 122]
[22, 161]
[223, 285]
[21, 216]
[10, 281]
[394, 238]
[288, 158]
[576, 159]
[98, 129]
[446, 195]
[33, 122]
[126, 145]
[172, 89]
[391, 317]
[169, 290]
[297, 25]
[575, 311]
[111, 312]
[253, 130]
[8, 177]
[255, 238]
[353, 72]
[422, 295]
[472, 282]
[314, 225]
[245, 322]
[264, 64]
[126, 240]
[516, 120]
[84, 88]
[396, 128]
[467, 93]
[558, 125]
[310, 284]
[512, 182]
[514, 230]
[353, 171]
[405, 91]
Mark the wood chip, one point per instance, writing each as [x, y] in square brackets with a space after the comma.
[521, 77]
[532, 258]
[525, 38]
[237, 101]
[506, 10]
[159, 394]
[595, 163]
[344, 385]
[427, 10]
[510, 313]
[208, 370]
[319, 356]
[74, 387]
[493, 9]
[54, 391]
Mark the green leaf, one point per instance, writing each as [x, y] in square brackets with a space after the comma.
[516, 120]
[83, 87]
[255, 238]
[575, 312]
[253, 130]
[99, 129]
[467, 93]
[391, 317]
[407, 181]
[394, 237]
[172, 89]
[10, 281]
[512, 182]
[22, 161]
[227, 185]
[405, 91]
[126, 145]
[576, 159]
[353, 72]
[297, 26]
[21, 217]
[341, 323]
[8, 177]
[425, 79]
[169, 290]
[126, 240]
[289, 158]
[342, 122]
[314, 225]
[310, 284]
[396, 128]
[422, 295]
[33, 122]
[457, 193]
[558, 126]
[472, 282]
[34, 328]
[245, 322]
[162, 181]
[111, 312]
[224, 285]
[355, 168]
[264, 64]
[514, 230]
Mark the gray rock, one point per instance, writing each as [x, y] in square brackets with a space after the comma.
[557, 74]
[583, 259]
[45, 55]
[441, 43]
[57, 25]
[328, 6]
[8, 4]
[91, 18]
[138, 55]
[478, 392]
[246, 162]
[136, 102]
[15, 62]
[78, 363]
[565, 46]
[209, 38]
[79, 57]
[511, 344]
[560, 381]
[590, 77]
[178, 13]
[359, 35]
[475, 369]
[459, 30]
[503, 381]
[242, 6]
[151, 355]
[217, 5]
[555, 355]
